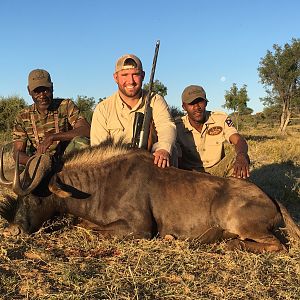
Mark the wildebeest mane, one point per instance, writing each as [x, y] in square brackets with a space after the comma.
[95, 154]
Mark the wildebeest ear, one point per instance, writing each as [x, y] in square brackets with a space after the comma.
[56, 188]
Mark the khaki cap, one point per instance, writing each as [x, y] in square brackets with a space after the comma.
[193, 92]
[37, 78]
[123, 64]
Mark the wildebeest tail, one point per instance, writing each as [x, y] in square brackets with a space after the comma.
[292, 228]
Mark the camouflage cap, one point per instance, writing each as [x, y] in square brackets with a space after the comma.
[128, 61]
[37, 78]
[193, 92]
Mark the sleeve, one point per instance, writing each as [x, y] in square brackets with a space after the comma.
[229, 128]
[19, 132]
[99, 133]
[165, 127]
[73, 113]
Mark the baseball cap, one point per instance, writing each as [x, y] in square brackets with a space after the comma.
[124, 63]
[37, 78]
[193, 92]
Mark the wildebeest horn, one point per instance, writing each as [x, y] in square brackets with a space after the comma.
[3, 179]
[36, 168]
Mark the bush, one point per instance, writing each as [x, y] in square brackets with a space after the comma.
[9, 108]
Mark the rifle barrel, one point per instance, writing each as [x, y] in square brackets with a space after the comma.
[144, 134]
[153, 67]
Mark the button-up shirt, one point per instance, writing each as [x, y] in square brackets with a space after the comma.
[113, 118]
[198, 150]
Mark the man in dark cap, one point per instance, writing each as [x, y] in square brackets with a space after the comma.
[201, 135]
[52, 126]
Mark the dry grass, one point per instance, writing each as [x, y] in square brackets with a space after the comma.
[73, 263]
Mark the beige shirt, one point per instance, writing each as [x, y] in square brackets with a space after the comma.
[113, 118]
[197, 150]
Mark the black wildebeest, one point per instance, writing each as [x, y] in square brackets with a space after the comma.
[123, 193]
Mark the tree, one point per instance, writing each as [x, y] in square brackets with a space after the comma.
[101, 99]
[236, 100]
[246, 111]
[9, 108]
[157, 87]
[272, 113]
[280, 74]
[176, 111]
[86, 106]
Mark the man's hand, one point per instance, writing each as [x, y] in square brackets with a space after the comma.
[241, 166]
[47, 142]
[162, 158]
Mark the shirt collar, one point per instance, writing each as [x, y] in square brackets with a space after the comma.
[122, 105]
[189, 127]
[33, 109]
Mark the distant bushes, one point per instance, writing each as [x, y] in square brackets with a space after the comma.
[9, 107]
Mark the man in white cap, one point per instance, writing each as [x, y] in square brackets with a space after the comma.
[201, 135]
[114, 116]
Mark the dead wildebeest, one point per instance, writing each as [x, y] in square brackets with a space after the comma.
[123, 193]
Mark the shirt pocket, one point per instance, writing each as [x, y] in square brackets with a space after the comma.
[214, 140]
[115, 129]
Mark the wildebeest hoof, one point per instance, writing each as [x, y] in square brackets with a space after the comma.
[234, 244]
[12, 230]
[169, 237]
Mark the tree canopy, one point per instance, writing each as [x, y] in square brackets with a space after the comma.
[86, 106]
[280, 74]
[157, 87]
[236, 100]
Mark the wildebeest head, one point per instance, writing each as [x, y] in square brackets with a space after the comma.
[24, 213]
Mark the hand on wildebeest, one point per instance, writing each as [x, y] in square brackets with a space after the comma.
[161, 158]
[47, 142]
[241, 166]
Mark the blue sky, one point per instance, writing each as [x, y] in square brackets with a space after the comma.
[209, 43]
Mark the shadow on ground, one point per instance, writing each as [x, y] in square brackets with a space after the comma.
[258, 138]
[281, 182]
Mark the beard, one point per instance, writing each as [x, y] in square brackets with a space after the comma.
[132, 92]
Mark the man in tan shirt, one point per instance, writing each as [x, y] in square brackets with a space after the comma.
[114, 116]
[201, 135]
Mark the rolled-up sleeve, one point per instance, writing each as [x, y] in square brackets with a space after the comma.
[229, 128]
[165, 127]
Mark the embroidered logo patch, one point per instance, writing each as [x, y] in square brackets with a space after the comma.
[229, 122]
[214, 130]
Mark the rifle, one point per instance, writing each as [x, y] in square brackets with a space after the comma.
[142, 121]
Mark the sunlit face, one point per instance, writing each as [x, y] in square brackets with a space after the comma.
[129, 82]
[42, 97]
[196, 110]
